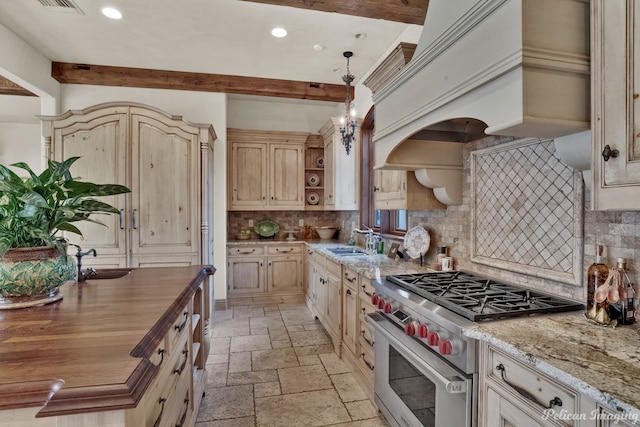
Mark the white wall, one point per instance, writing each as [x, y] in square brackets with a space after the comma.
[20, 142]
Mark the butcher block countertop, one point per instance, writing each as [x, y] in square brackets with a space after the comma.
[601, 362]
[90, 351]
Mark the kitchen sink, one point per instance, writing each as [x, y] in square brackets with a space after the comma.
[110, 273]
[346, 251]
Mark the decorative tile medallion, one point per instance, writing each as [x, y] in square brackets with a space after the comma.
[526, 208]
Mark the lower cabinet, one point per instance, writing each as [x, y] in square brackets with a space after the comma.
[264, 269]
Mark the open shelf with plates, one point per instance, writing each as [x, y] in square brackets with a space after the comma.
[314, 176]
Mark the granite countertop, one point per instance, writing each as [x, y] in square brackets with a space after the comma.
[601, 362]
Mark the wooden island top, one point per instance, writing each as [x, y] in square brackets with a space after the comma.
[90, 351]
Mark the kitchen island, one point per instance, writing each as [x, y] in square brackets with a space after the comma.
[111, 351]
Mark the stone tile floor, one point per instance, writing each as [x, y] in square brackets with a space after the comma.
[274, 365]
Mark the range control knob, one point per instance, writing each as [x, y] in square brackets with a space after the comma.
[423, 331]
[411, 328]
[374, 299]
[445, 347]
[388, 308]
[433, 338]
[381, 303]
[449, 346]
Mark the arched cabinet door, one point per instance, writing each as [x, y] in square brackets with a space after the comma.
[163, 159]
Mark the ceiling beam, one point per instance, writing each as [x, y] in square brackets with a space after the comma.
[7, 87]
[407, 11]
[103, 75]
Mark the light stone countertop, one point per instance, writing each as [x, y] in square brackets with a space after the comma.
[371, 266]
[601, 362]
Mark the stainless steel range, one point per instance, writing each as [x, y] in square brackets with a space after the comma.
[426, 369]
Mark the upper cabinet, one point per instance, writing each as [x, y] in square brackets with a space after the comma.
[399, 189]
[266, 170]
[163, 159]
[341, 171]
[616, 120]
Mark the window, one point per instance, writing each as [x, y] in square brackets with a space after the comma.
[383, 221]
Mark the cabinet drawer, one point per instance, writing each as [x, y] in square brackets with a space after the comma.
[350, 279]
[509, 374]
[245, 250]
[284, 249]
[367, 337]
[366, 359]
[333, 268]
[366, 289]
[179, 330]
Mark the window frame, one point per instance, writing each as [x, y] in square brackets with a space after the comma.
[388, 218]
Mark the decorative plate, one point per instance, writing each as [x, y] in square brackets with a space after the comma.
[266, 228]
[312, 198]
[416, 242]
[320, 162]
[313, 180]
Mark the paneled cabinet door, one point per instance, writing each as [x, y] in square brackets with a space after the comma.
[334, 304]
[100, 142]
[165, 169]
[245, 275]
[284, 274]
[341, 174]
[616, 106]
[390, 189]
[248, 174]
[286, 175]
[499, 411]
[350, 315]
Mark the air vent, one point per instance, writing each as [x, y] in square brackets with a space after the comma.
[65, 6]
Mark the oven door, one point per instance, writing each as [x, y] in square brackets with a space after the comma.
[415, 387]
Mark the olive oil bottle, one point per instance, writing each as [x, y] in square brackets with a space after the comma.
[596, 276]
[627, 309]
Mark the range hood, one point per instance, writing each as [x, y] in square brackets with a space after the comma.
[516, 68]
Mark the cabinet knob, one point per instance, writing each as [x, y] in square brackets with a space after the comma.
[607, 153]
[376, 188]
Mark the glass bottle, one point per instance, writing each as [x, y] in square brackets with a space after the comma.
[596, 276]
[627, 314]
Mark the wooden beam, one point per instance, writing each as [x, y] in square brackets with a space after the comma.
[407, 11]
[7, 87]
[160, 79]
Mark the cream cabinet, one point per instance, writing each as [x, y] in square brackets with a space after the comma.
[265, 170]
[616, 106]
[163, 159]
[324, 294]
[399, 189]
[514, 394]
[341, 171]
[350, 310]
[256, 269]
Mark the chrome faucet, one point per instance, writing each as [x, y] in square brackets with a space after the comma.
[82, 276]
[370, 239]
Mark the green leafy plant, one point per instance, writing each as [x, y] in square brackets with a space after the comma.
[34, 210]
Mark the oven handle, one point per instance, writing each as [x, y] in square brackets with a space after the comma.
[381, 324]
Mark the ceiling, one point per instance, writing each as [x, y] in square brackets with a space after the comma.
[225, 37]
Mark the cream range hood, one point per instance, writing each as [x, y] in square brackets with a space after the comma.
[484, 67]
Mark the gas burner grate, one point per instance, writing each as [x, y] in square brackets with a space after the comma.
[478, 298]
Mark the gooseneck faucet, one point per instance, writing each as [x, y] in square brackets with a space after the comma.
[370, 242]
[82, 276]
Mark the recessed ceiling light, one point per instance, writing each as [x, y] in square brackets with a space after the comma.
[112, 13]
[360, 36]
[279, 32]
[318, 47]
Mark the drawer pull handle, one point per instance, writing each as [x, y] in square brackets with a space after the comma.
[161, 353]
[556, 401]
[181, 326]
[120, 219]
[184, 415]
[161, 401]
[184, 364]
[371, 343]
[247, 252]
[364, 289]
[346, 276]
[282, 250]
[369, 365]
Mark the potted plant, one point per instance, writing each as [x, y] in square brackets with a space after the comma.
[33, 213]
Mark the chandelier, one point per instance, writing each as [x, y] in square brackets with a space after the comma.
[348, 122]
